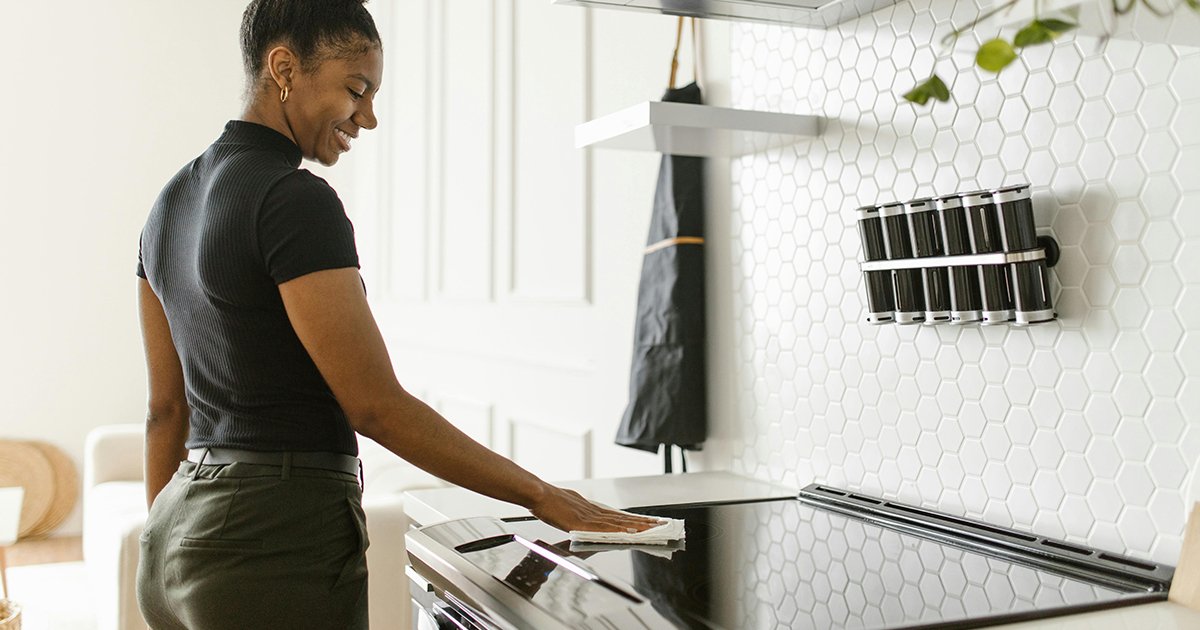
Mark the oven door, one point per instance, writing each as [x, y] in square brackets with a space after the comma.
[444, 611]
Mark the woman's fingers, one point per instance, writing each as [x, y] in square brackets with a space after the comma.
[612, 525]
[639, 522]
[568, 510]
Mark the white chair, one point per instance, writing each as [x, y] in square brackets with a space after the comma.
[10, 523]
[114, 512]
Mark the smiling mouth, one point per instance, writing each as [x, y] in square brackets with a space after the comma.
[345, 139]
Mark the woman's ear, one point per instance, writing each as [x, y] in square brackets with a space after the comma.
[283, 65]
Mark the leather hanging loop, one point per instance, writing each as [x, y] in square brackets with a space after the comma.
[675, 53]
[695, 55]
[678, 45]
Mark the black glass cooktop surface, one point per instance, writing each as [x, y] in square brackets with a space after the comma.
[781, 564]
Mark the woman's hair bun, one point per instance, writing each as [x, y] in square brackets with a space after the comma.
[313, 29]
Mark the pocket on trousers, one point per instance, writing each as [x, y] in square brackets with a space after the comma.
[221, 544]
[355, 568]
[155, 513]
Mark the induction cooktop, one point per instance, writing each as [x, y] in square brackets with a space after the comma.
[826, 559]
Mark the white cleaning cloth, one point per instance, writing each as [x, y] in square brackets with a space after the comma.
[660, 551]
[669, 529]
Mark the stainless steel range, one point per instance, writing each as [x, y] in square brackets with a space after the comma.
[827, 558]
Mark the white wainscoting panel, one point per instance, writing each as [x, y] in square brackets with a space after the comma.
[551, 450]
[466, 130]
[472, 417]
[403, 108]
[551, 239]
[503, 147]
[485, 277]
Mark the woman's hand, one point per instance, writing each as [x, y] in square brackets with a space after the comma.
[569, 511]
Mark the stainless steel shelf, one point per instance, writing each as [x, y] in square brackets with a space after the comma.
[969, 260]
[804, 13]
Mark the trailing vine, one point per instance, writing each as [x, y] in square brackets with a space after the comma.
[998, 53]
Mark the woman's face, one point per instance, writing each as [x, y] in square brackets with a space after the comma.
[328, 107]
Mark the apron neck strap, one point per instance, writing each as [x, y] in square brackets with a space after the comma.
[675, 53]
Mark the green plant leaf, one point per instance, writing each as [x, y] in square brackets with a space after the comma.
[918, 95]
[1042, 31]
[933, 87]
[994, 55]
[1032, 33]
[1194, 4]
[938, 88]
[1058, 27]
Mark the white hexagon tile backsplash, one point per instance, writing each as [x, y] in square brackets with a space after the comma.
[1085, 429]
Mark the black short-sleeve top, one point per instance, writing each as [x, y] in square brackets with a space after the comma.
[225, 231]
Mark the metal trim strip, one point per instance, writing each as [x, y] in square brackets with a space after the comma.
[965, 260]
[1069, 559]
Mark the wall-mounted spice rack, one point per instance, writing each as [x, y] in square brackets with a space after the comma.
[960, 259]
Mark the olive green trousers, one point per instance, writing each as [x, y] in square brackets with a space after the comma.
[254, 546]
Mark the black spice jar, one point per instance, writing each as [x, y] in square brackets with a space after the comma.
[965, 302]
[1029, 280]
[1015, 214]
[881, 302]
[926, 234]
[910, 303]
[983, 223]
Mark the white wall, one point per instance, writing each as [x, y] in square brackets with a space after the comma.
[1085, 428]
[504, 262]
[102, 102]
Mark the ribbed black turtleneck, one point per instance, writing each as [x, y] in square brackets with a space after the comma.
[225, 231]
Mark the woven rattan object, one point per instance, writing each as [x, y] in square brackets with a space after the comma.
[66, 489]
[24, 464]
[10, 615]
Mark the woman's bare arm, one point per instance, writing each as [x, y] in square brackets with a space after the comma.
[167, 414]
[329, 312]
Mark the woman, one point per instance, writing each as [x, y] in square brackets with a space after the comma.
[264, 359]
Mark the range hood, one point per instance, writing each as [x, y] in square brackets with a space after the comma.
[810, 13]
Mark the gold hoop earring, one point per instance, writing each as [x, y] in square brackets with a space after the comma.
[283, 94]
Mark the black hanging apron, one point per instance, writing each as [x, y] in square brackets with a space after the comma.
[667, 397]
